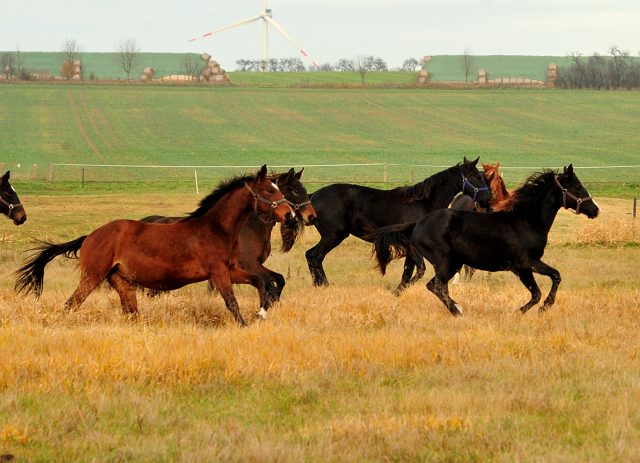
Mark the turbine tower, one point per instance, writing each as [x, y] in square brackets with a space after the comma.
[267, 18]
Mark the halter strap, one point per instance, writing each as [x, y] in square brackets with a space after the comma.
[273, 205]
[566, 193]
[297, 206]
[476, 190]
[10, 206]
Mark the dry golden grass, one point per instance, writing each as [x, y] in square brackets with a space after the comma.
[345, 373]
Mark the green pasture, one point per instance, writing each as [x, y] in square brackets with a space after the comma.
[416, 132]
[449, 67]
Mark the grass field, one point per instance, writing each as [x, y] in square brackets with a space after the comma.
[346, 373]
[418, 129]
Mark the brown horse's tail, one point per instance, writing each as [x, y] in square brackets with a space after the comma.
[392, 242]
[31, 274]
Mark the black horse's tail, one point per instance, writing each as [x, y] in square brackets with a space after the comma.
[392, 242]
[31, 274]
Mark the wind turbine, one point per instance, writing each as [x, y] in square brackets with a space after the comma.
[267, 18]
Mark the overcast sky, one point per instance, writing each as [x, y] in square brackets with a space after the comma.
[328, 29]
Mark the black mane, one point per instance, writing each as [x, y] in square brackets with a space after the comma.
[225, 187]
[528, 192]
[422, 190]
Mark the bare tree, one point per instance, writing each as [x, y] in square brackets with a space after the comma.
[380, 65]
[69, 52]
[363, 64]
[410, 64]
[190, 64]
[467, 64]
[345, 65]
[127, 55]
[8, 64]
[580, 66]
[618, 65]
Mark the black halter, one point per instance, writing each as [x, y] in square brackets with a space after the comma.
[10, 206]
[466, 182]
[273, 205]
[566, 193]
[297, 206]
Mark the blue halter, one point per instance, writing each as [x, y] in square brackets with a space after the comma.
[466, 182]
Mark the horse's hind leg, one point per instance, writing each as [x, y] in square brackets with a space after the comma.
[526, 277]
[85, 287]
[277, 279]
[410, 263]
[442, 291]
[544, 269]
[127, 292]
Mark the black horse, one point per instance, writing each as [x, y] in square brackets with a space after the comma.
[10, 203]
[513, 238]
[344, 209]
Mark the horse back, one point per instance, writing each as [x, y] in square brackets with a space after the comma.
[358, 209]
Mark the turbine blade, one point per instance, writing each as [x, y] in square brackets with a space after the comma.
[277, 27]
[238, 24]
[264, 5]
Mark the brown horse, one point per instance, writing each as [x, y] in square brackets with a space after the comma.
[130, 253]
[10, 203]
[499, 192]
[254, 242]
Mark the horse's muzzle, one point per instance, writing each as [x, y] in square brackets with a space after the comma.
[19, 217]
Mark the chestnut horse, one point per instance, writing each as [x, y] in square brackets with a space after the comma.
[254, 242]
[499, 192]
[10, 203]
[511, 239]
[130, 253]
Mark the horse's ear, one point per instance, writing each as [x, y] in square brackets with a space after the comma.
[262, 173]
[485, 166]
[568, 170]
[497, 166]
[466, 161]
[5, 177]
[299, 174]
[473, 163]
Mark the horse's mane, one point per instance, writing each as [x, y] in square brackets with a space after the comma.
[225, 187]
[528, 192]
[503, 187]
[422, 190]
[290, 233]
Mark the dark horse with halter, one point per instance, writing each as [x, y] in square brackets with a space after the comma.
[130, 253]
[513, 238]
[254, 242]
[10, 203]
[345, 209]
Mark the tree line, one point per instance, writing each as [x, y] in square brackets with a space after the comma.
[619, 70]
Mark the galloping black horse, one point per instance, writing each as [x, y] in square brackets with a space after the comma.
[513, 238]
[10, 203]
[345, 209]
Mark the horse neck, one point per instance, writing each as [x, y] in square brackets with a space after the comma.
[547, 207]
[231, 212]
[443, 192]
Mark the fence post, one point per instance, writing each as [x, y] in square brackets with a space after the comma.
[385, 173]
[82, 178]
[196, 173]
[51, 171]
[634, 207]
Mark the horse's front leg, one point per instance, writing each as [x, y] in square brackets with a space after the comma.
[222, 280]
[262, 284]
[544, 269]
